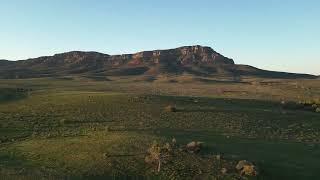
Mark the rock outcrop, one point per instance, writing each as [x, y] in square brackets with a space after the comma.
[183, 55]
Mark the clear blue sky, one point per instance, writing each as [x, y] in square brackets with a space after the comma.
[272, 34]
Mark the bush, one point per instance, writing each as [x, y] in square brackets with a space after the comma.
[62, 122]
[318, 110]
[291, 105]
[170, 108]
[301, 105]
[158, 155]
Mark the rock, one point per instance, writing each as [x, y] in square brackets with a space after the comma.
[105, 155]
[194, 146]
[247, 168]
[224, 170]
[218, 157]
[174, 141]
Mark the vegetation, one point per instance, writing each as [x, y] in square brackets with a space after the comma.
[9, 94]
[81, 128]
[302, 105]
[170, 108]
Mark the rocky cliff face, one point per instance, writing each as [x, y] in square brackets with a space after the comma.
[159, 61]
[197, 60]
[184, 56]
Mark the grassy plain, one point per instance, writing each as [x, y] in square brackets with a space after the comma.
[87, 128]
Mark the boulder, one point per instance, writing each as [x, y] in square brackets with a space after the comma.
[194, 146]
[224, 170]
[218, 157]
[105, 155]
[173, 141]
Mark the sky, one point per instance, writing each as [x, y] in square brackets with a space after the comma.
[269, 34]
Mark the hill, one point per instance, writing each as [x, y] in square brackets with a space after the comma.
[195, 60]
[96, 116]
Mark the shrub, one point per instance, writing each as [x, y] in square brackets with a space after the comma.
[301, 105]
[170, 108]
[318, 110]
[247, 168]
[291, 105]
[62, 122]
[158, 155]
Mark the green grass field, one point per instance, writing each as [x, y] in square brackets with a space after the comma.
[81, 128]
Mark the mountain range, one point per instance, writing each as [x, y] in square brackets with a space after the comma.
[195, 60]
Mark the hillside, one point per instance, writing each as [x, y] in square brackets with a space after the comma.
[195, 60]
[94, 116]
